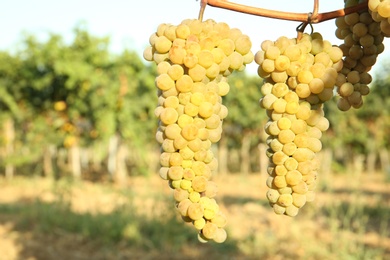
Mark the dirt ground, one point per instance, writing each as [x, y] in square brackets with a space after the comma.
[241, 197]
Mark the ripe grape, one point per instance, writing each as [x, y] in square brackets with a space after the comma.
[193, 61]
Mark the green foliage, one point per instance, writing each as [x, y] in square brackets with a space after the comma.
[245, 114]
[78, 93]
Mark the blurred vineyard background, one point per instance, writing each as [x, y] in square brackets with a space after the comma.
[79, 161]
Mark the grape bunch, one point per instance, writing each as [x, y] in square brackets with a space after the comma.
[363, 42]
[299, 76]
[193, 61]
[380, 12]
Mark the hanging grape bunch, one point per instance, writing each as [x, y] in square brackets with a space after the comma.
[194, 60]
[299, 76]
[363, 42]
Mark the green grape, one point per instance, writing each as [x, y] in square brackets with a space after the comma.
[205, 58]
[175, 159]
[213, 122]
[243, 44]
[164, 82]
[286, 136]
[227, 46]
[169, 116]
[289, 148]
[291, 164]
[190, 132]
[185, 185]
[223, 88]
[279, 105]
[280, 181]
[194, 196]
[316, 86]
[298, 126]
[199, 223]
[282, 63]
[195, 211]
[195, 145]
[292, 210]
[175, 173]
[284, 123]
[279, 158]
[180, 194]
[285, 200]
[272, 52]
[303, 154]
[293, 177]
[183, 206]
[276, 145]
[164, 159]
[272, 195]
[193, 60]
[199, 183]
[220, 235]
[162, 44]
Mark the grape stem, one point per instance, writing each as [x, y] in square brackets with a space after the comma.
[314, 17]
[203, 4]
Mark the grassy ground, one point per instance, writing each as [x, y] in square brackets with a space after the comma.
[39, 219]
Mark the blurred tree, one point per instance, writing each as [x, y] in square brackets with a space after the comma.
[77, 95]
[244, 124]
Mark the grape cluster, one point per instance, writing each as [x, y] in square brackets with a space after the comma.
[299, 76]
[380, 12]
[193, 61]
[363, 42]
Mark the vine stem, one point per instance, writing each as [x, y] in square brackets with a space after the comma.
[203, 4]
[299, 17]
